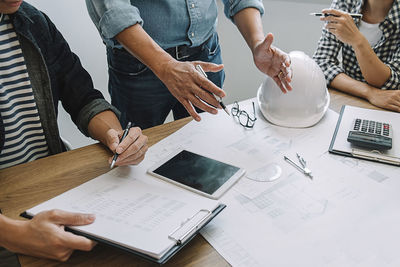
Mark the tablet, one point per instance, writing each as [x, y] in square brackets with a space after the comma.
[197, 173]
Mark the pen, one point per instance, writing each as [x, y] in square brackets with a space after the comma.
[122, 138]
[200, 69]
[353, 15]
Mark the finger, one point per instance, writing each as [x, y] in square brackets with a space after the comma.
[206, 97]
[289, 74]
[112, 139]
[334, 12]
[136, 158]
[130, 138]
[331, 19]
[209, 67]
[73, 241]
[285, 79]
[64, 256]
[202, 105]
[133, 161]
[287, 60]
[70, 218]
[279, 83]
[284, 70]
[208, 85]
[189, 108]
[286, 83]
[394, 107]
[133, 148]
[268, 41]
[332, 30]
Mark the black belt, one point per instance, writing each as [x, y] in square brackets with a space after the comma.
[183, 51]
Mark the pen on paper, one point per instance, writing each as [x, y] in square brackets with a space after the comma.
[353, 15]
[200, 69]
[122, 138]
[302, 168]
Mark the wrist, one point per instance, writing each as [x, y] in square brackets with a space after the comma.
[10, 231]
[360, 43]
[161, 69]
[253, 44]
[368, 92]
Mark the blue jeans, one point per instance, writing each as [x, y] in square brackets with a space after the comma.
[140, 96]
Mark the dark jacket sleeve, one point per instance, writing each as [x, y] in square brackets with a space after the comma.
[71, 83]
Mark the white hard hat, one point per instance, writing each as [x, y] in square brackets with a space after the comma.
[302, 107]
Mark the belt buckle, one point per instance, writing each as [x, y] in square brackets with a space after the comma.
[178, 57]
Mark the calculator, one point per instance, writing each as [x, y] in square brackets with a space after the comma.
[371, 134]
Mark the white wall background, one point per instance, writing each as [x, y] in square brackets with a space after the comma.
[293, 27]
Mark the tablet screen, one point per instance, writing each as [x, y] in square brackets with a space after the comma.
[196, 171]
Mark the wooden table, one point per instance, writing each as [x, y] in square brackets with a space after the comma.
[27, 185]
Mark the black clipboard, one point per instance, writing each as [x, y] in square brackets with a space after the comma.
[180, 243]
[359, 153]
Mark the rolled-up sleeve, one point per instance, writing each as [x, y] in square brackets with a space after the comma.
[234, 6]
[393, 82]
[92, 109]
[326, 56]
[112, 17]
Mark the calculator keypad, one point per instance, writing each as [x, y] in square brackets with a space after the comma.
[372, 127]
[371, 134]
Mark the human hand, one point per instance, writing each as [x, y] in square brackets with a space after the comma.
[131, 150]
[387, 99]
[273, 62]
[44, 236]
[342, 25]
[191, 88]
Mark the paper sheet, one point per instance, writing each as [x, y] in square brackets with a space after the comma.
[130, 211]
[340, 218]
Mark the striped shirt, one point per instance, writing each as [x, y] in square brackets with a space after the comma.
[24, 137]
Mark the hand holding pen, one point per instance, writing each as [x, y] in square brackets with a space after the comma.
[190, 88]
[200, 69]
[342, 25]
[130, 148]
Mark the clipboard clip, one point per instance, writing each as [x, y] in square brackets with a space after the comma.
[189, 225]
[375, 155]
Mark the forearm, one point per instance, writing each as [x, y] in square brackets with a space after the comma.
[101, 123]
[9, 232]
[248, 21]
[143, 47]
[374, 71]
[351, 86]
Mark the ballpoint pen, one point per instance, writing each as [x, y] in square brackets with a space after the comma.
[200, 69]
[122, 138]
[301, 168]
[353, 15]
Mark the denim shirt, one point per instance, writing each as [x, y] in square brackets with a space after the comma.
[169, 22]
[56, 74]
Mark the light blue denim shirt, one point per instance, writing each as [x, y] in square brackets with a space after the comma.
[169, 22]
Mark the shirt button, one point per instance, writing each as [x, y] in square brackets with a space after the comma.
[192, 34]
[192, 5]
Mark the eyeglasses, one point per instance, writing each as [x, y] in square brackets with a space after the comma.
[243, 117]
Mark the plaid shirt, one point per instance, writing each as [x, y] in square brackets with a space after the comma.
[387, 48]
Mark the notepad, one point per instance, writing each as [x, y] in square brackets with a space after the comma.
[153, 220]
[340, 145]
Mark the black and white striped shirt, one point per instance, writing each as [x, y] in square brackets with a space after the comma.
[387, 48]
[24, 137]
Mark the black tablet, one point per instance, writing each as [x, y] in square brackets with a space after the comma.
[200, 174]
